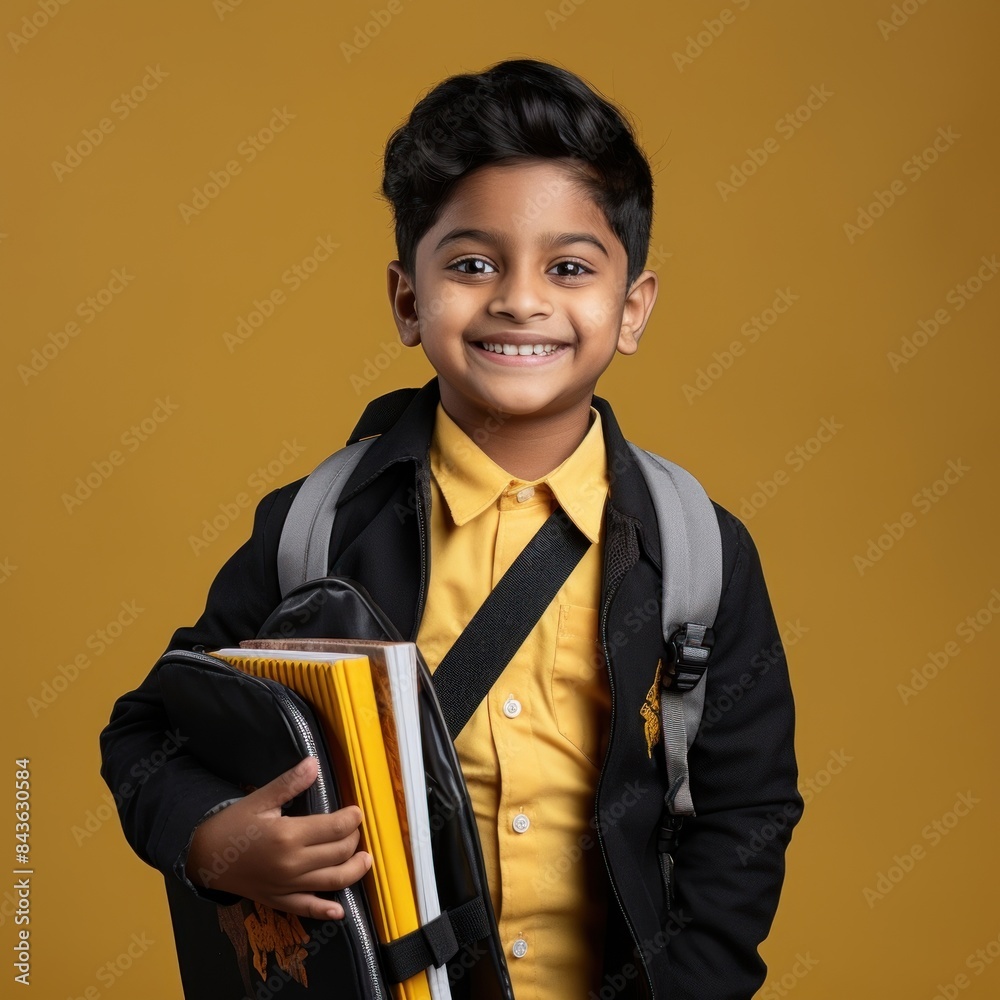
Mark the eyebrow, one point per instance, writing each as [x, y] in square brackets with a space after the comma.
[499, 239]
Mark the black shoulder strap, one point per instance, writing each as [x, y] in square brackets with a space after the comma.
[500, 626]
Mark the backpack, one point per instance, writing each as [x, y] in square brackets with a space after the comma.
[691, 556]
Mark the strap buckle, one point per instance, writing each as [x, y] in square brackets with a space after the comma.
[670, 828]
[687, 656]
[666, 845]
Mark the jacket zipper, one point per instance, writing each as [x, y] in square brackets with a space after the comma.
[367, 946]
[600, 781]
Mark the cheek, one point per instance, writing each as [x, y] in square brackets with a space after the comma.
[447, 307]
[596, 312]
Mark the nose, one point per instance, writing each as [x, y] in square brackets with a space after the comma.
[521, 296]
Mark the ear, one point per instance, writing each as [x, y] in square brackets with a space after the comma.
[639, 304]
[403, 302]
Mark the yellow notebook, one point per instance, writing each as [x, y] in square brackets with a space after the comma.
[341, 692]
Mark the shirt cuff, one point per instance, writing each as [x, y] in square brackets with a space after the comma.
[180, 865]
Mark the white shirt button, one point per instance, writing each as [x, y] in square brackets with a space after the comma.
[520, 948]
[521, 823]
[526, 494]
[512, 708]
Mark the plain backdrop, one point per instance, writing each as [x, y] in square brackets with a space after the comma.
[168, 166]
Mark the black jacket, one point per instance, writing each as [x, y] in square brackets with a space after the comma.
[730, 862]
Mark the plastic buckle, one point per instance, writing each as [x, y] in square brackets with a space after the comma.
[688, 651]
[669, 829]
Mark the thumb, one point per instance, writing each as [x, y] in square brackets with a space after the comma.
[286, 786]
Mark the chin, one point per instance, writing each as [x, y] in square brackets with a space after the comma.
[539, 409]
[516, 399]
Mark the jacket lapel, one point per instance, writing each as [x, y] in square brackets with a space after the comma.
[404, 435]
[628, 494]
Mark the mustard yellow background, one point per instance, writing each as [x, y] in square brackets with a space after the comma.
[822, 431]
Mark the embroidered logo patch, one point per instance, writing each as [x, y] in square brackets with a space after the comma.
[265, 937]
[650, 712]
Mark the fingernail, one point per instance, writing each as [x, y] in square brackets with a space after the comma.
[368, 861]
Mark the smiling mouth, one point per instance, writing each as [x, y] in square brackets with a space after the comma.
[518, 349]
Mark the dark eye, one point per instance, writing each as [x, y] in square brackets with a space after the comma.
[580, 271]
[478, 269]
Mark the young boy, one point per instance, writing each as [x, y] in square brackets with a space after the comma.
[523, 209]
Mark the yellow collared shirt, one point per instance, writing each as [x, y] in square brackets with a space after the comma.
[532, 750]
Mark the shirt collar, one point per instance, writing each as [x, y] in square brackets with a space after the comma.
[471, 481]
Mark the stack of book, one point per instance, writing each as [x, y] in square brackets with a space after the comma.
[250, 713]
[364, 693]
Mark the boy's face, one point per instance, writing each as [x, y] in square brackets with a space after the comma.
[520, 258]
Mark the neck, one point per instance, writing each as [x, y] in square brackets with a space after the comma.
[528, 447]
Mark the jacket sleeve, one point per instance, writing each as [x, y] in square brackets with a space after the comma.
[730, 856]
[160, 790]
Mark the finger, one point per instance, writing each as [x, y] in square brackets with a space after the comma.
[286, 786]
[326, 855]
[341, 876]
[304, 904]
[322, 828]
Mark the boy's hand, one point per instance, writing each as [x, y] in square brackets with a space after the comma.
[282, 860]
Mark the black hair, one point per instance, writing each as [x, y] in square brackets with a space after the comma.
[517, 110]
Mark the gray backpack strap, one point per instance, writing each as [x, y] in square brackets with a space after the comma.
[691, 553]
[304, 547]
[691, 556]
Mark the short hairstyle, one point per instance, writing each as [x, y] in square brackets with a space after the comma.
[517, 110]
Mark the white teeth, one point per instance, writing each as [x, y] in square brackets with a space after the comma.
[521, 349]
